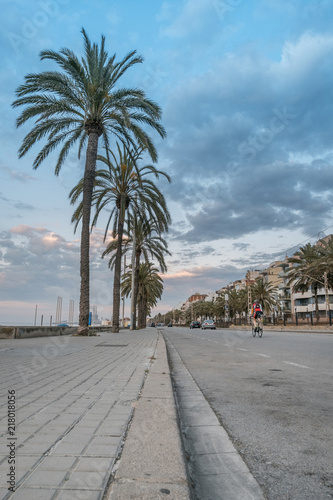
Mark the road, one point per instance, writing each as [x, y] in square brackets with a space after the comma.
[274, 398]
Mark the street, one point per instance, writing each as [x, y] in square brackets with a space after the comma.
[273, 396]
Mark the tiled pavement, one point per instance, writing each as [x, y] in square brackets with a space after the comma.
[74, 400]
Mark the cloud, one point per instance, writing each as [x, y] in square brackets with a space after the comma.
[192, 19]
[251, 147]
[16, 175]
[39, 264]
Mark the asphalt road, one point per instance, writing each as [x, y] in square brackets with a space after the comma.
[274, 397]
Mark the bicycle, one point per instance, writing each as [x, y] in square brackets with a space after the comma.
[258, 329]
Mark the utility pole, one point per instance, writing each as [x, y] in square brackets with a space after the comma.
[249, 298]
[326, 294]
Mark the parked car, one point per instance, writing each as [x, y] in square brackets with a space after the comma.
[152, 324]
[208, 323]
[170, 324]
[195, 324]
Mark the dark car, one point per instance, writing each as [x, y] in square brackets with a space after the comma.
[170, 324]
[195, 324]
[152, 324]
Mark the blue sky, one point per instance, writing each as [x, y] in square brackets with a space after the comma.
[246, 89]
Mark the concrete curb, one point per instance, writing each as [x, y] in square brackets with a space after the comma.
[152, 465]
[216, 469]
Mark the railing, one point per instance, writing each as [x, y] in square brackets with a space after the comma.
[286, 318]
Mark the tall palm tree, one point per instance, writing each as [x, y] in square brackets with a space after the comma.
[78, 105]
[266, 293]
[126, 188]
[306, 272]
[150, 289]
[148, 242]
[325, 263]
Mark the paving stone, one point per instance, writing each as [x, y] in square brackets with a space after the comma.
[94, 464]
[40, 478]
[88, 480]
[77, 494]
[35, 494]
[52, 463]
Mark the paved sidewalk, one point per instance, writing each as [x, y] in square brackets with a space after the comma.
[74, 400]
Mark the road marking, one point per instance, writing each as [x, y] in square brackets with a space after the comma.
[241, 349]
[228, 345]
[264, 355]
[296, 364]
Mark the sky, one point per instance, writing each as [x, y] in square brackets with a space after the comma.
[246, 89]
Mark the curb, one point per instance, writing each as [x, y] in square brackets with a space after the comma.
[152, 464]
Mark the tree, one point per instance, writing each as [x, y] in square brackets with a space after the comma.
[150, 289]
[125, 187]
[79, 105]
[148, 242]
[325, 262]
[306, 272]
[266, 293]
[219, 306]
[236, 302]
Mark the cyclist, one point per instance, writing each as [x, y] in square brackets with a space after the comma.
[256, 312]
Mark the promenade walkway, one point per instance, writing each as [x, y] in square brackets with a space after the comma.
[71, 400]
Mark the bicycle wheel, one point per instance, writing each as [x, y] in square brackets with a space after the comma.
[260, 332]
[253, 331]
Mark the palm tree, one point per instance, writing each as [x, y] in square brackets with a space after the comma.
[306, 272]
[150, 289]
[127, 188]
[78, 105]
[266, 293]
[219, 306]
[325, 263]
[148, 242]
[176, 313]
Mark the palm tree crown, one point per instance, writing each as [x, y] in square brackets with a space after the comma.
[306, 271]
[81, 99]
[266, 293]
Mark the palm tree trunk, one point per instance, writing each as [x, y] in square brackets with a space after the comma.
[145, 311]
[117, 271]
[88, 186]
[142, 307]
[136, 285]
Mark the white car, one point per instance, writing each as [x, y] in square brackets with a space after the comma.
[208, 323]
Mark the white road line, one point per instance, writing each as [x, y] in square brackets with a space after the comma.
[228, 345]
[295, 364]
[264, 355]
[241, 349]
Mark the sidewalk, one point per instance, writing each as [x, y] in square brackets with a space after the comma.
[71, 402]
